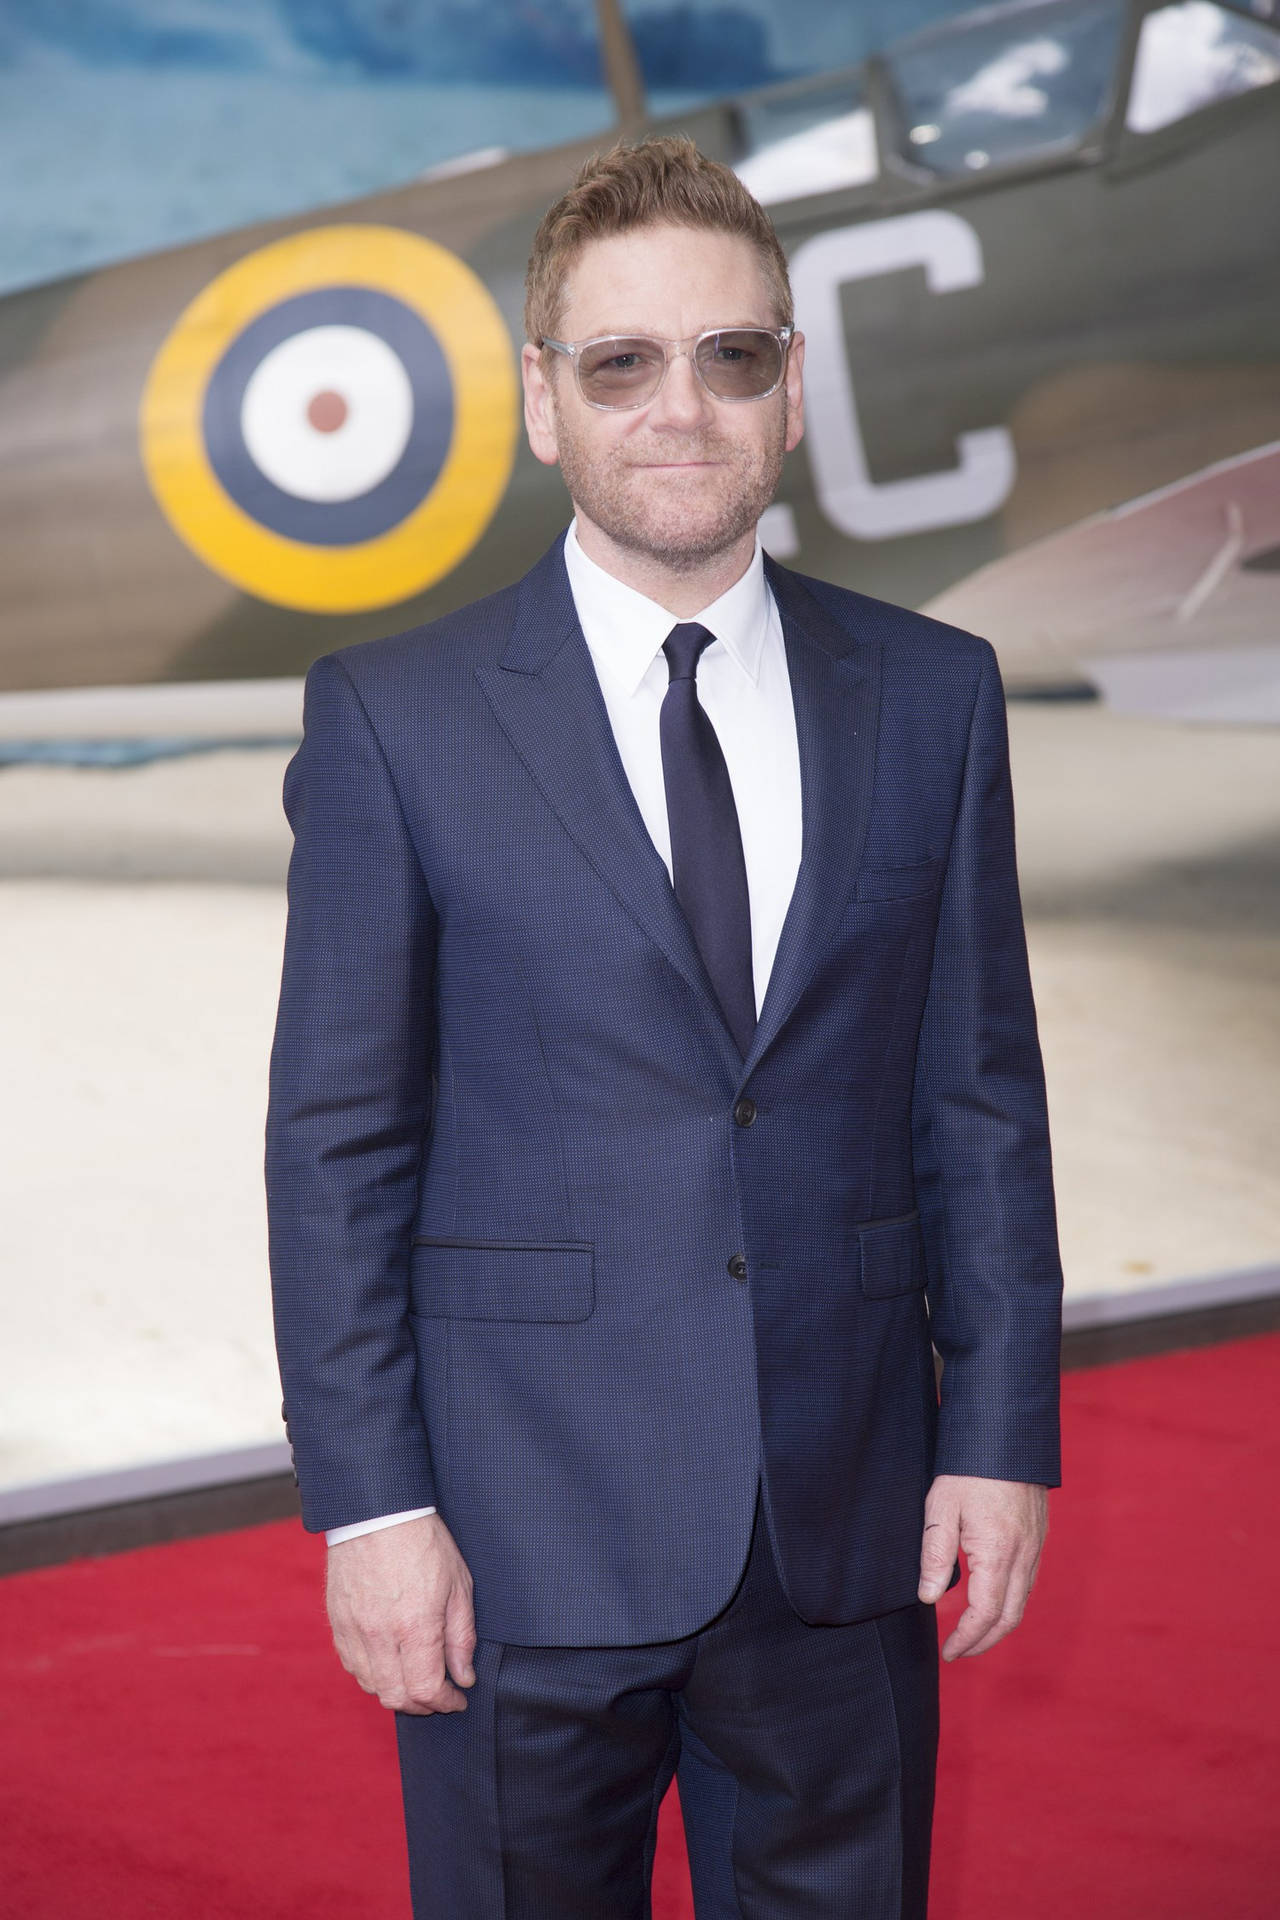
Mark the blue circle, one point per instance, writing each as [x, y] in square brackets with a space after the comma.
[332, 523]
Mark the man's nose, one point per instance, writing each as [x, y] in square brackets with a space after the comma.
[682, 403]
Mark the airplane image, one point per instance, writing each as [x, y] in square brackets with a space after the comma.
[1036, 257]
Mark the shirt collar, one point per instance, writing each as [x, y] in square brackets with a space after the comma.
[625, 630]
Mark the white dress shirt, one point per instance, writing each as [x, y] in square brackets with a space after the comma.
[744, 687]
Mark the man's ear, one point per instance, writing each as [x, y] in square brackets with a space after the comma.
[795, 392]
[539, 407]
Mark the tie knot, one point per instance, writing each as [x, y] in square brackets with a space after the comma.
[683, 646]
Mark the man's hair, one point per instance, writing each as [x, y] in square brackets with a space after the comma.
[663, 181]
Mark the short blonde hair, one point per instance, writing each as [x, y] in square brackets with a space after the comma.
[663, 181]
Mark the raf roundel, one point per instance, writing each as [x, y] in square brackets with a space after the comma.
[331, 424]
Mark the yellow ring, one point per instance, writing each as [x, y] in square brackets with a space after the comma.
[435, 535]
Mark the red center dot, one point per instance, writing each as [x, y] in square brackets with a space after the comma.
[327, 411]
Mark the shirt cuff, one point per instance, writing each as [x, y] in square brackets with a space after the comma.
[357, 1527]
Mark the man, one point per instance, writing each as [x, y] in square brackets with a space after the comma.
[656, 1076]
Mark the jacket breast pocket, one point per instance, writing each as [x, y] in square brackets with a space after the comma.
[545, 1280]
[892, 1255]
[899, 883]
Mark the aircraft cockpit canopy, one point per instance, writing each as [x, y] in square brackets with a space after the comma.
[1006, 85]
[1193, 53]
[810, 139]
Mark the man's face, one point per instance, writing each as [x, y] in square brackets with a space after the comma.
[684, 477]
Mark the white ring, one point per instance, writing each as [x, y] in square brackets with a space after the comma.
[369, 378]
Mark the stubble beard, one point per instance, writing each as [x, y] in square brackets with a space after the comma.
[668, 530]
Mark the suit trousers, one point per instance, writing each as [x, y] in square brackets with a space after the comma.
[805, 1760]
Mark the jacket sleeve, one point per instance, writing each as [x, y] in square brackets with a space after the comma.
[981, 1145]
[348, 1114]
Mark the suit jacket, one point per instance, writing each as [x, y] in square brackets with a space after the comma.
[546, 1250]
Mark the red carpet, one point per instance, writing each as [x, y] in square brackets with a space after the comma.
[177, 1741]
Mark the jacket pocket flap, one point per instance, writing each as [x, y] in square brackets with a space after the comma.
[502, 1279]
[892, 1256]
[898, 883]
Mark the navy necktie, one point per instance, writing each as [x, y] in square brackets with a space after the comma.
[708, 870]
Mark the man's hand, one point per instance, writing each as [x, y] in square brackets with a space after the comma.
[400, 1608]
[1001, 1524]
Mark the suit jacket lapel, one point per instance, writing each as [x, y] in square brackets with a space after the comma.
[835, 686]
[547, 699]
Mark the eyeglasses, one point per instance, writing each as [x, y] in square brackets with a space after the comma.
[618, 370]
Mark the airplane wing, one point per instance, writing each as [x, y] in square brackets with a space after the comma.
[1169, 604]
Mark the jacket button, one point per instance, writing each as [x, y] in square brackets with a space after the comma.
[738, 1265]
[744, 1111]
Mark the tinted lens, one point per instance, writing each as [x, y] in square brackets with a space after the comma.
[742, 364]
[620, 372]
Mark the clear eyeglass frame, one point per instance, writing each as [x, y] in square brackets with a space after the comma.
[672, 350]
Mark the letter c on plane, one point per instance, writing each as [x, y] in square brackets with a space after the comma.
[947, 248]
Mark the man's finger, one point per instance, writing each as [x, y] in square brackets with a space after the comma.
[353, 1651]
[384, 1670]
[992, 1638]
[460, 1638]
[423, 1684]
[397, 1664]
[985, 1597]
[1017, 1592]
[971, 1632]
[938, 1555]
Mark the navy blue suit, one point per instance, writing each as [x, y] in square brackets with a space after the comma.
[511, 1205]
